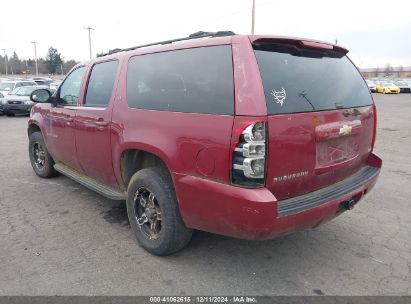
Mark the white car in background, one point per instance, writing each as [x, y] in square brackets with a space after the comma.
[54, 85]
[18, 101]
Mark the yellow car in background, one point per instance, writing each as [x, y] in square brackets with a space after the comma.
[387, 88]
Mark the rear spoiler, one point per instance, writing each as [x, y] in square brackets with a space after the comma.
[300, 44]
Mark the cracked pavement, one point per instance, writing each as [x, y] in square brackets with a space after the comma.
[59, 238]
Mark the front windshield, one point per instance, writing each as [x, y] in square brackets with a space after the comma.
[6, 86]
[14, 91]
[25, 91]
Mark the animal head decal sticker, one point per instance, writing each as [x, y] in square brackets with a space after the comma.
[279, 96]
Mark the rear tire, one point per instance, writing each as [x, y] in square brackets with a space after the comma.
[9, 114]
[153, 212]
[40, 158]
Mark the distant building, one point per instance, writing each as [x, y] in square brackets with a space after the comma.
[388, 71]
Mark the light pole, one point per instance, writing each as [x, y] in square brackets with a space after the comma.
[253, 18]
[35, 55]
[89, 37]
[5, 60]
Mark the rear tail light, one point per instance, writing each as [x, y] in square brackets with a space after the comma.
[249, 157]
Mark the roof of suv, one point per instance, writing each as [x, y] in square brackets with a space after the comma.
[193, 36]
[201, 39]
[215, 38]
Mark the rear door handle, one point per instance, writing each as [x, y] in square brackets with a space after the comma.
[102, 123]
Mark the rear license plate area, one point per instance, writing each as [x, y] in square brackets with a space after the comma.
[337, 150]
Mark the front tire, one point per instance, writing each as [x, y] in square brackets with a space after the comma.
[40, 158]
[153, 212]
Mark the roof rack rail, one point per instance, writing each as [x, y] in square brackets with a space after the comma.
[196, 35]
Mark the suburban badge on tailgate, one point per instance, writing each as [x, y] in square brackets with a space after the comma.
[289, 176]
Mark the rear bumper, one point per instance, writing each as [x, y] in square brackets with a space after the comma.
[257, 214]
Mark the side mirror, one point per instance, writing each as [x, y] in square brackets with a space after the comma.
[40, 95]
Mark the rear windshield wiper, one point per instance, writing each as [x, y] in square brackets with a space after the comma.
[303, 94]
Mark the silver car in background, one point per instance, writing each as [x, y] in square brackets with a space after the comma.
[405, 86]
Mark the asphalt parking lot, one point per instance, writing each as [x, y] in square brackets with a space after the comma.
[59, 238]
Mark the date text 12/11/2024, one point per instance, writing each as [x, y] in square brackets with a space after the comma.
[203, 299]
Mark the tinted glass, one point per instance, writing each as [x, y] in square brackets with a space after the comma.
[101, 83]
[70, 89]
[198, 80]
[302, 81]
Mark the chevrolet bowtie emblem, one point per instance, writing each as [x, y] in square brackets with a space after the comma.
[345, 130]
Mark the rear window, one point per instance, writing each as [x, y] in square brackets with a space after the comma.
[26, 84]
[198, 80]
[298, 80]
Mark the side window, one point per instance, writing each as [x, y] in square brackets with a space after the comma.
[17, 85]
[101, 83]
[198, 80]
[70, 89]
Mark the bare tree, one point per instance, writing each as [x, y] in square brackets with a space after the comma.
[400, 71]
[387, 70]
[377, 71]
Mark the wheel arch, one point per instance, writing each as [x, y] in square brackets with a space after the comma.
[35, 124]
[133, 158]
[33, 127]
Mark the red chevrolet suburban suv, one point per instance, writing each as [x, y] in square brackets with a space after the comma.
[246, 136]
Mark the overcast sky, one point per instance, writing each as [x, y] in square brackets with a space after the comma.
[375, 32]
